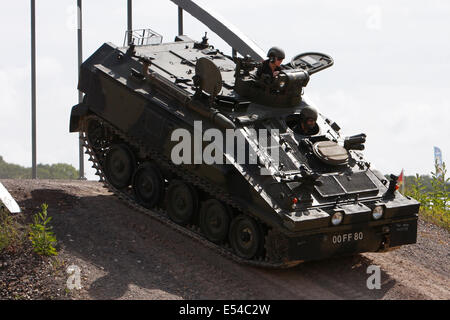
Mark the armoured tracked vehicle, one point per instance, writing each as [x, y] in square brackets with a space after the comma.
[290, 197]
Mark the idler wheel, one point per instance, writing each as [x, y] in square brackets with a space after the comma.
[214, 220]
[119, 166]
[96, 134]
[182, 202]
[148, 185]
[246, 237]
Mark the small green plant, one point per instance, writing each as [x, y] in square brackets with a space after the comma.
[41, 236]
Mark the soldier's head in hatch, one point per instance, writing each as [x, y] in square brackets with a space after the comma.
[308, 120]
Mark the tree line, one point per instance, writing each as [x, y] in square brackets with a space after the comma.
[44, 171]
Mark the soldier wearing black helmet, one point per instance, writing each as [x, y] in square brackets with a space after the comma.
[308, 122]
[271, 67]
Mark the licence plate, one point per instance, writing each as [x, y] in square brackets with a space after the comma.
[347, 237]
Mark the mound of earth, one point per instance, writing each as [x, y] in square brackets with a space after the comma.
[124, 254]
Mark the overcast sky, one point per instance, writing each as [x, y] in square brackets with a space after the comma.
[391, 78]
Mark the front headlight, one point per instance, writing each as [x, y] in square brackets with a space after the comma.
[337, 218]
[377, 212]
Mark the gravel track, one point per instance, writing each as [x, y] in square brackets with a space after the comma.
[124, 254]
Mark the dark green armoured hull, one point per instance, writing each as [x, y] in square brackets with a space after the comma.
[136, 97]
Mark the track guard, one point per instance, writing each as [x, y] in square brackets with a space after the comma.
[78, 111]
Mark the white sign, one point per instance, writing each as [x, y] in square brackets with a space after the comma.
[8, 200]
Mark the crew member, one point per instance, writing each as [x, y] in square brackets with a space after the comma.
[308, 122]
[271, 67]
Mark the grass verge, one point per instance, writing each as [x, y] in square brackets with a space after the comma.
[439, 217]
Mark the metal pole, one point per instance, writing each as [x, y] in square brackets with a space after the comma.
[180, 21]
[33, 89]
[130, 21]
[80, 94]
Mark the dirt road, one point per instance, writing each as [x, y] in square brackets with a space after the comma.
[125, 254]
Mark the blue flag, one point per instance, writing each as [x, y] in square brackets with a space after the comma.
[438, 161]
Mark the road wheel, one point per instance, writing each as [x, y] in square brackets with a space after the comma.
[148, 185]
[119, 166]
[214, 220]
[245, 237]
[182, 202]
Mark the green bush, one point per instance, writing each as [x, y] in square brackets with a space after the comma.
[439, 194]
[41, 236]
[10, 235]
[435, 201]
[417, 191]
